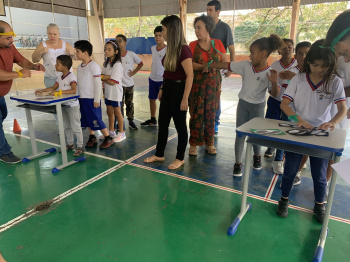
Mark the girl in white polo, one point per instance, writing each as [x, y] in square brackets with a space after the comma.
[313, 92]
[112, 74]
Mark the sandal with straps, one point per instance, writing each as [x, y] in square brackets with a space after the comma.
[192, 151]
[211, 150]
[79, 151]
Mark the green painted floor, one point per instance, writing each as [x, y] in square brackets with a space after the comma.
[134, 214]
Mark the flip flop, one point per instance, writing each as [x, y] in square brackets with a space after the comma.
[173, 167]
[156, 159]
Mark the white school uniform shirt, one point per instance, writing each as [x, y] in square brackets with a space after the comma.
[128, 61]
[157, 69]
[114, 92]
[64, 83]
[295, 70]
[282, 83]
[255, 84]
[87, 86]
[343, 70]
[310, 103]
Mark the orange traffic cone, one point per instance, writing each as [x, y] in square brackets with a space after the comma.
[16, 127]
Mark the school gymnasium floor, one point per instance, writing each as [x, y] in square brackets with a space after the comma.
[113, 207]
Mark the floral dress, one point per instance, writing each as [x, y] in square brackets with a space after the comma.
[204, 99]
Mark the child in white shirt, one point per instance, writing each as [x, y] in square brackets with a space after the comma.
[67, 82]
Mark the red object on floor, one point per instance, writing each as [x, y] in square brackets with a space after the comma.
[16, 127]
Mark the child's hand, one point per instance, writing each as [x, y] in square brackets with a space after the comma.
[303, 123]
[272, 76]
[348, 113]
[96, 105]
[286, 75]
[327, 125]
[38, 91]
[131, 73]
[52, 92]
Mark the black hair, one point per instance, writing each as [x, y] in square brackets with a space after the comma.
[2, 28]
[121, 36]
[215, 3]
[301, 45]
[340, 23]
[288, 40]
[158, 29]
[117, 57]
[269, 44]
[65, 60]
[83, 46]
[207, 20]
[317, 52]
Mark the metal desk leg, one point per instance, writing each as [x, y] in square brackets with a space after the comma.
[65, 162]
[323, 236]
[33, 140]
[245, 207]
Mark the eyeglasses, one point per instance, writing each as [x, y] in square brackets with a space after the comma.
[288, 125]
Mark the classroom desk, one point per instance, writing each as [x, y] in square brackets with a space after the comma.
[324, 147]
[50, 105]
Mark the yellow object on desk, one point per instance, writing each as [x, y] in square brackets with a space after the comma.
[58, 93]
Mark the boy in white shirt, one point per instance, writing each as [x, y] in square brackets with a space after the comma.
[89, 90]
[71, 114]
[156, 76]
[129, 58]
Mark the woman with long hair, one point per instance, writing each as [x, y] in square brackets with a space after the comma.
[173, 95]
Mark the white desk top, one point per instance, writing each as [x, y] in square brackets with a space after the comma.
[31, 99]
[335, 142]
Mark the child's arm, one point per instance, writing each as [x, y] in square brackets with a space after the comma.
[286, 75]
[273, 79]
[51, 89]
[107, 79]
[197, 66]
[221, 65]
[132, 73]
[73, 89]
[289, 112]
[341, 106]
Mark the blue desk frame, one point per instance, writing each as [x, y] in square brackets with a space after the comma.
[324, 147]
[30, 99]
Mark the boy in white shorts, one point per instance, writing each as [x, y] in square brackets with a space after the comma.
[156, 76]
[71, 114]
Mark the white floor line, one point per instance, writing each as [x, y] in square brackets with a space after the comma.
[25, 119]
[346, 221]
[57, 145]
[271, 186]
[60, 197]
[146, 151]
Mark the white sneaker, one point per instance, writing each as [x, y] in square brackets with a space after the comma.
[277, 167]
[297, 179]
[111, 133]
[120, 137]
